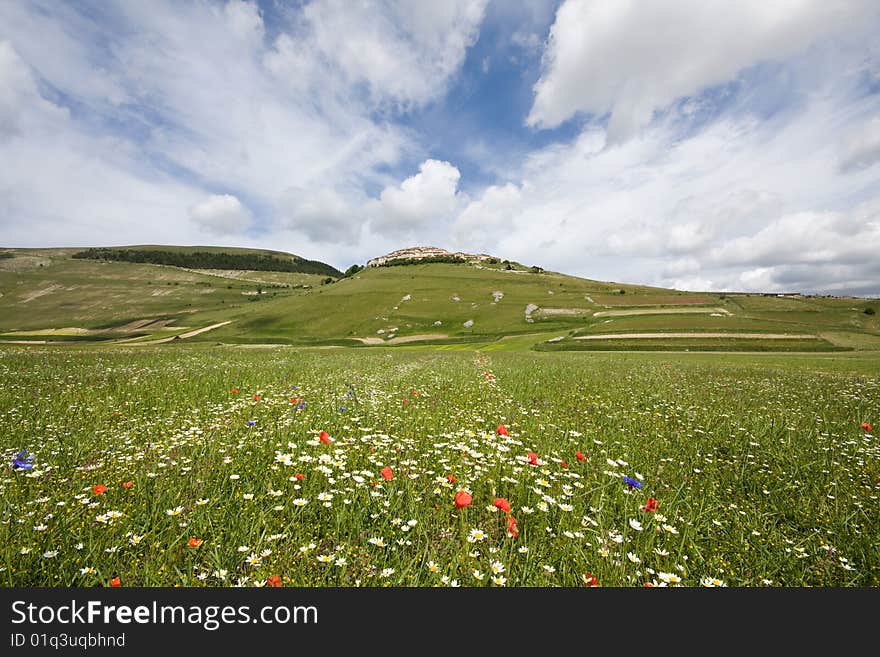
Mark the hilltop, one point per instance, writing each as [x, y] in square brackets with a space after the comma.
[202, 257]
[414, 254]
[461, 301]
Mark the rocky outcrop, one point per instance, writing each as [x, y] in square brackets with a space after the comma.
[422, 252]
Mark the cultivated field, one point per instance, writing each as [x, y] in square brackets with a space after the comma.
[204, 465]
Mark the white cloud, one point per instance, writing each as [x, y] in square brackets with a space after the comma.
[769, 183]
[176, 100]
[221, 215]
[322, 215]
[403, 52]
[484, 219]
[631, 58]
[21, 106]
[735, 203]
[68, 187]
[862, 148]
[808, 237]
[526, 40]
[428, 197]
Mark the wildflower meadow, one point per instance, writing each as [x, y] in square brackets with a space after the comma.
[221, 466]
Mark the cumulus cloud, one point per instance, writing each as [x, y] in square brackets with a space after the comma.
[402, 52]
[851, 237]
[736, 148]
[484, 219]
[68, 187]
[323, 215]
[429, 196]
[737, 203]
[202, 96]
[221, 215]
[629, 59]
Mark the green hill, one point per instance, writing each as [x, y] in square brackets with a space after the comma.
[50, 295]
[199, 257]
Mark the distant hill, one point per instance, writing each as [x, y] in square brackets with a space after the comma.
[198, 257]
[229, 295]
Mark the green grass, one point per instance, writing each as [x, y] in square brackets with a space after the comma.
[693, 344]
[47, 289]
[761, 471]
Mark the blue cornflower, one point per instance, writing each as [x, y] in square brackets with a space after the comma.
[632, 483]
[251, 423]
[22, 461]
[301, 405]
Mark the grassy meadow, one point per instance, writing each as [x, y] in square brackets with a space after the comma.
[203, 465]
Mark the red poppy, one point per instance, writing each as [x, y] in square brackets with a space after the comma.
[462, 499]
[299, 476]
[502, 430]
[256, 398]
[324, 437]
[194, 542]
[867, 427]
[590, 580]
[293, 400]
[512, 529]
[451, 478]
[274, 581]
[650, 505]
[501, 503]
[415, 393]
[579, 456]
[563, 464]
[405, 402]
[128, 484]
[533, 458]
[235, 391]
[116, 582]
[99, 489]
[387, 473]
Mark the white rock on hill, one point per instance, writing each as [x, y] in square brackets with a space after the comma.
[421, 252]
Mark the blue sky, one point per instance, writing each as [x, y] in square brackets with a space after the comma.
[698, 145]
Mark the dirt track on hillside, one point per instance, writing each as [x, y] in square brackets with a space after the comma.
[404, 338]
[183, 336]
[660, 311]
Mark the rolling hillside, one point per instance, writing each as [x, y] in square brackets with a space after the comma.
[47, 295]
